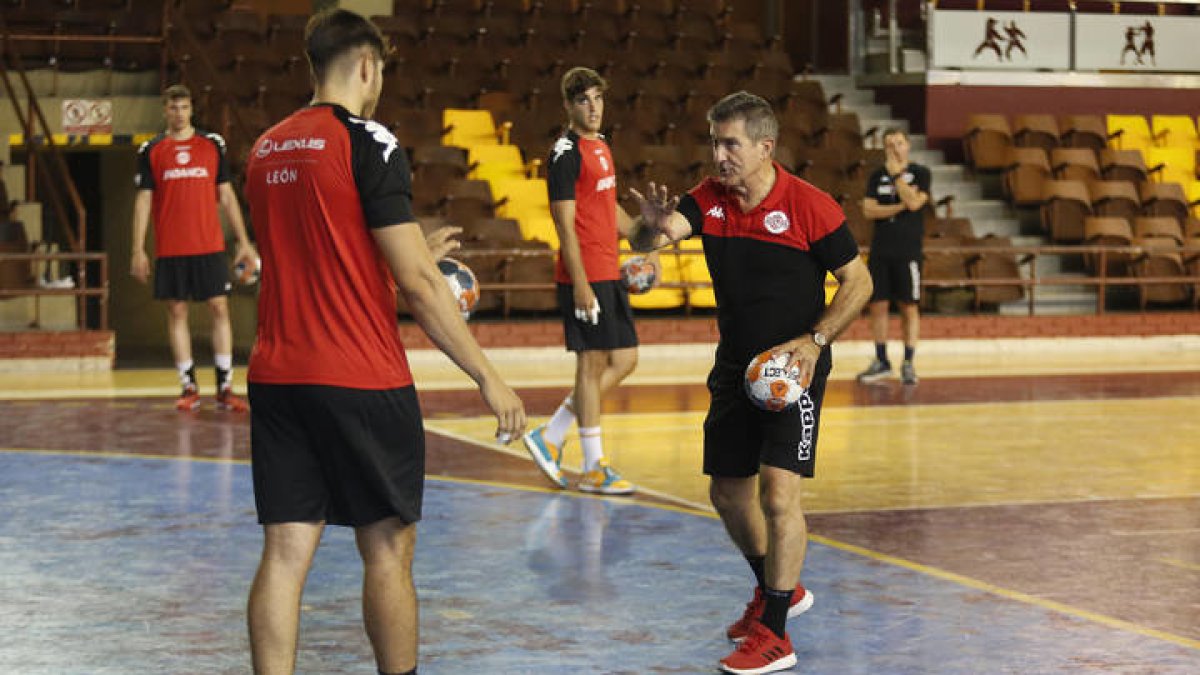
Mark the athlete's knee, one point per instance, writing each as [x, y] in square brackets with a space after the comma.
[780, 497]
[177, 310]
[219, 306]
[624, 362]
[387, 542]
[729, 494]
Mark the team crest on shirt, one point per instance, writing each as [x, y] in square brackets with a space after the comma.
[183, 157]
[776, 222]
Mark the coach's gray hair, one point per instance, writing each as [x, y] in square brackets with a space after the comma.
[757, 113]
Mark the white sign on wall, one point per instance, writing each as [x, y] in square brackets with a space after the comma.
[1137, 42]
[87, 116]
[1006, 40]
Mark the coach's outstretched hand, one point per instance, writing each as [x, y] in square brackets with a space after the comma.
[656, 205]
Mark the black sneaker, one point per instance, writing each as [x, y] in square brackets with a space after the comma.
[877, 371]
[908, 374]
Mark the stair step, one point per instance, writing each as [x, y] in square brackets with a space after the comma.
[957, 190]
[946, 173]
[927, 157]
[982, 209]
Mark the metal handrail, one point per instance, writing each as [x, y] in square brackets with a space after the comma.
[81, 291]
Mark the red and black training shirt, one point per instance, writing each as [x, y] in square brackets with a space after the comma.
[184, 176]
[317, 183]
[768, 265]
[582, 169]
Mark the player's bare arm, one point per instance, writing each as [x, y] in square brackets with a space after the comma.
[875, 211]
[587, 308]
[854, 290]
[139, 262]
[659, 224]
[233, 211]
[433, 306]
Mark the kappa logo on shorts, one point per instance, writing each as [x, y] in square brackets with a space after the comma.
[808, 426]
[776, 222]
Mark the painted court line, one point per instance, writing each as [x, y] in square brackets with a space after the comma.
[945, 575]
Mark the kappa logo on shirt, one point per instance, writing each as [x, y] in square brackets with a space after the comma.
[716, 212]
[562, 146]
[381, 135]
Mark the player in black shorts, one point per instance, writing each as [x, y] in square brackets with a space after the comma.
[597, 318]
[896, 193]
[336, 430]
[769, 240]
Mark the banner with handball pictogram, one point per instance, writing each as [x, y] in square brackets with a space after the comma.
[974, 40]
[1137, 42]
[81, 116]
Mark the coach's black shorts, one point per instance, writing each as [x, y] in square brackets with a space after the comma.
[345, 456]
[615, 330]
[191, 277]
[895, 279]
[738, 437]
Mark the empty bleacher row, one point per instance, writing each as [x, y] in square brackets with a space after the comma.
[1116, 180]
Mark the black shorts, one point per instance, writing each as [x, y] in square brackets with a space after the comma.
[615, 330]
[345, 456]
[191, 277]
[895, 279]
[739, 437]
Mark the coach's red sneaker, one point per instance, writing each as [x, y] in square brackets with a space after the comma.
[761, 652]
[226, 400]
[189, 400]
[802, 601]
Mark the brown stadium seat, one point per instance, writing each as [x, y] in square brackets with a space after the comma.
[1036, 131]
[1108, 231]
[492, 232]
[1001, 264]
[530, 270]
[1084, 131]
[1027, 170]
[986, 142]
[1163, 227]
[1122, 165]
[1066, 205]
[1115, 198]
[950, 227]
[1160, 259]
[468, 200]
[1163, 199]
[844, 132]
[665, 165]
[860, 226]
[1074, 164]
[941, 265]
[808, 98]
[823, 167]
[1191, 259]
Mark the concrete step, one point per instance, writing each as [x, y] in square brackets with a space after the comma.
[926, 157]
[872, 111]
[945, 173]
[882, 123]
[1003, 227]
[856, 98]
[982, 209]
[831, 83]
[959, 190]
[13, 176]
[918, 142]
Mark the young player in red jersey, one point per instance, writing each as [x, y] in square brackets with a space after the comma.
[769, 240]
[336, 431]
[182, 175]
[597, 318]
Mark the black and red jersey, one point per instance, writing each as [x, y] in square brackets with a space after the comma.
[317, 183]
[582, 169]
[184, 175]
[768, 265]
[901, 236]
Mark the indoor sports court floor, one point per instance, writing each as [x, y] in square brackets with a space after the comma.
[1030, 507]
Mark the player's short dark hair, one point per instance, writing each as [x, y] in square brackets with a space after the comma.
[755, 110]
[333, 32]
[176, 92]
[578, 80]
[894, 131]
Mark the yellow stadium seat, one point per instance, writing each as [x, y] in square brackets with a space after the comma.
[1179, 164]
[657, 297]
[538, 225]
[1175, 130]
[1192, 190]
[831, 287]
[526, 201]
[1134, 132]
[695, 270]
[495, 162]
[468, 128]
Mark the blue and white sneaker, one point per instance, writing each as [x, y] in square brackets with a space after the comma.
[545, 454]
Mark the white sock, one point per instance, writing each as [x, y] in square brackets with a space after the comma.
[185, 375]
[560, 423]
[223, 361]
[592, 442]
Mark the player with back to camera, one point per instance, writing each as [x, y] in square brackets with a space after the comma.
[597, 318]
[182, 176]
[336, 430]
[769, 240]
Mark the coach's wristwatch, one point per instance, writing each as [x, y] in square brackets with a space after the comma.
[820, 340]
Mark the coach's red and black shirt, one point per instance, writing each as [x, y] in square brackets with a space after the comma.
[582, 169]
[184, 176]
[317, 183]
[768, 265]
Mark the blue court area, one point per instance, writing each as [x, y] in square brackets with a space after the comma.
[130, 565]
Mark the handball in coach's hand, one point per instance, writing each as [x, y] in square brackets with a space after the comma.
[247, 275]
[503, 438]
[772, 386]
[463, 284]
[638, 274]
